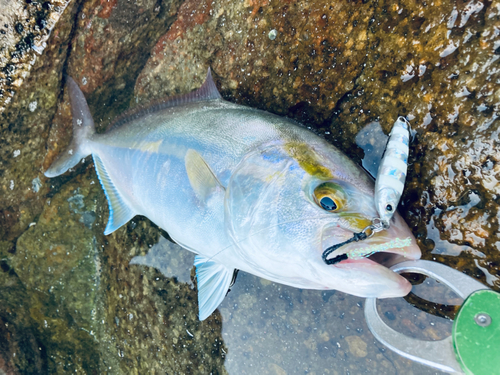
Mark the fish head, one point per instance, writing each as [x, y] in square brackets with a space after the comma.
[286, 203]
[365, 263]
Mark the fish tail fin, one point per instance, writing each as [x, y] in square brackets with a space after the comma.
[83, 129]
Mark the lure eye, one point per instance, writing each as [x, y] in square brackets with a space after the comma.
[389, 208]
[330, 196]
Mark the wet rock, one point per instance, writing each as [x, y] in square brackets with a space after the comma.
[25, 27]
[24, 126]
[357, 346]
[64, 263]
[58, 271]
[335, 67]
[298, 69]
[21, 347]
[151, 322]
[81, 300]
[112, 43]
[58, 264]
[440, 73]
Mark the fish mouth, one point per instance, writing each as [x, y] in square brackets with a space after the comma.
[374, 256]
[386, 248]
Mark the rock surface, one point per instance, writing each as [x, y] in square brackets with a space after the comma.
[24, 127]
[61, 274]
[70, 300]
[337, 67]
[25, 27]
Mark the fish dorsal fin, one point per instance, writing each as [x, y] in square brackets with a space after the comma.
[202, 179]
[119, 211]
[207, 91]
[213, 281]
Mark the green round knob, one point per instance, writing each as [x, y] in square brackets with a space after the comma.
[476, 333]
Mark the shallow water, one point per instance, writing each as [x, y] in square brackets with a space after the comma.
[275, 329]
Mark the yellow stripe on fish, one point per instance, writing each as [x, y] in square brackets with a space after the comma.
[308, 160]
[150, 146]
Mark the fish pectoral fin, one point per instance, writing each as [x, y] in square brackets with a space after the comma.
[202, 179]
[214, 280]
[119, 211]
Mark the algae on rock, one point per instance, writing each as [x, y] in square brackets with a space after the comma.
[25, 27]
[57, 263]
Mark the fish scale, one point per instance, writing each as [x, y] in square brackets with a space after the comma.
[237, 186]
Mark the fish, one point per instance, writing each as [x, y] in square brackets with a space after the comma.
[242, 188]
[391, 175]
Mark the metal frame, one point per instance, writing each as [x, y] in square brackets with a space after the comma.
[438, 354]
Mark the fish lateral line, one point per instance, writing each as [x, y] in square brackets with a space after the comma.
[264, 229]
[178, 190]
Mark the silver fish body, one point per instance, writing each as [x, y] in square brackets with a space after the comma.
[243, 189]
[391, 176]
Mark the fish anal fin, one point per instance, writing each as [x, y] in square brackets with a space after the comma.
[202, 179]
[119, 211]
[214, 280]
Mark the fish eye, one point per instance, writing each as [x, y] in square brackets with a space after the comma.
[389, 208]
[328, 204]
[330, 196]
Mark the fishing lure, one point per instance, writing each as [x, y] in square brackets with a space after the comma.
[389, 187]
[391, 174]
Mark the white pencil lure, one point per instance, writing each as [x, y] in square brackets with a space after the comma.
[391, 174]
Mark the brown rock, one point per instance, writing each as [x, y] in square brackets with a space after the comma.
[333, 66]
[25, 27]
[357, 346]
[24, 126]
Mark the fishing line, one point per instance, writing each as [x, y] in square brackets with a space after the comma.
[264, 229]
[376, 226]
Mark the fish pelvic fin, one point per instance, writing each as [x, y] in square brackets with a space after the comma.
[214, 280]
[83, 129]
[202, 178]
[119, 211]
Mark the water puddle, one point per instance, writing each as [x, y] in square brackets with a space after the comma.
[275, 329]
[372, 140]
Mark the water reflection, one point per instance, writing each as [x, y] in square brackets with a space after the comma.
[269, 328]
[443, 246]
[168, 258]
[372, 140]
